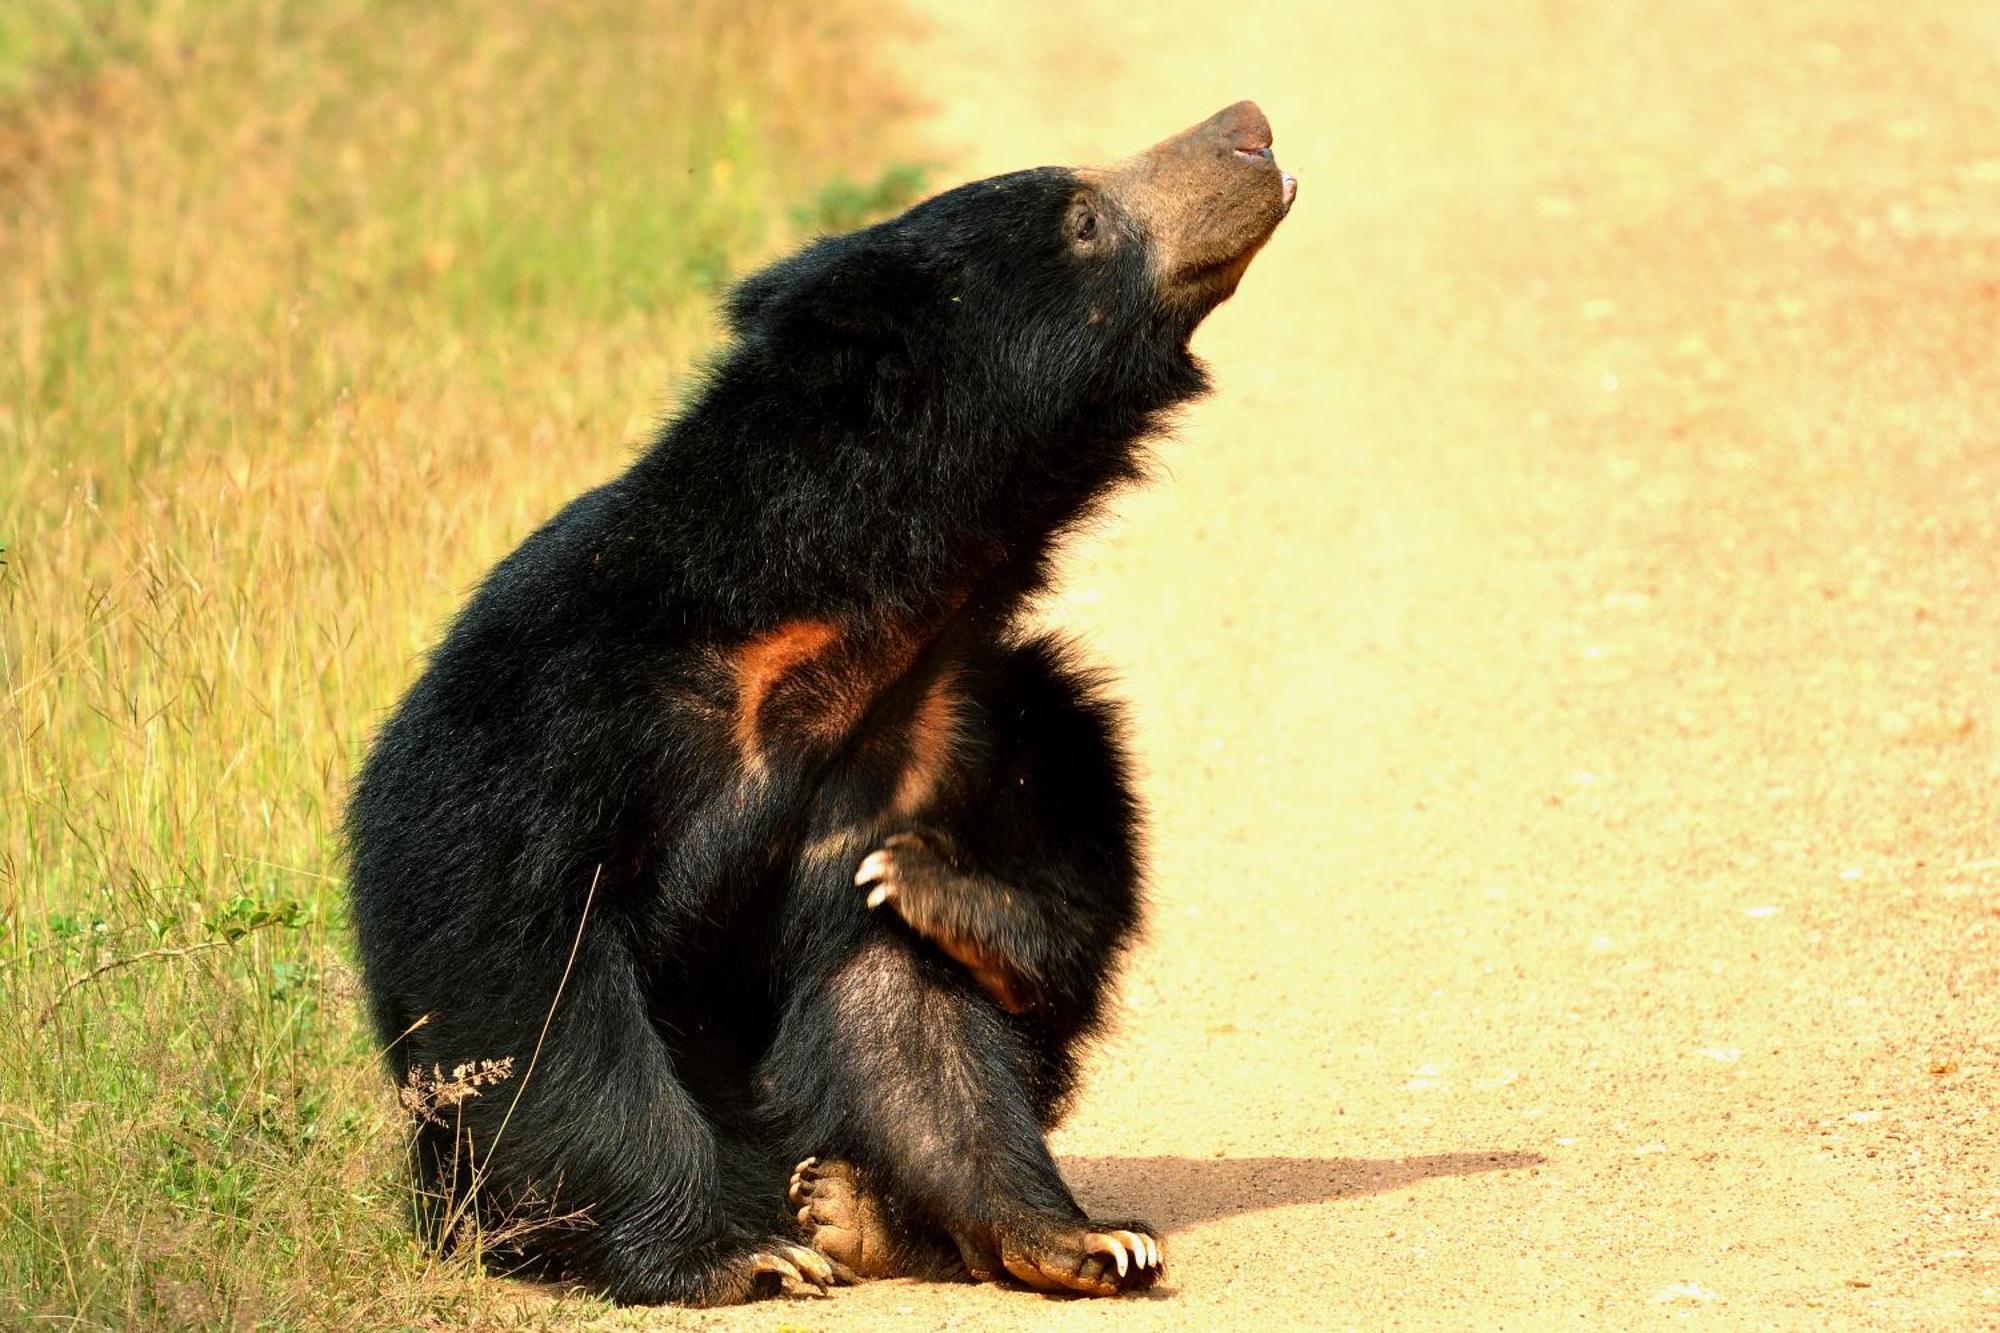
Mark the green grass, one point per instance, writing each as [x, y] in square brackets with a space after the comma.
[308, 311]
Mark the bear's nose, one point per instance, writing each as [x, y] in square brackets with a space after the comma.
[1244, 128]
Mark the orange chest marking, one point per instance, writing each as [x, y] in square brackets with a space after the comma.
[763, 667]
[928, 745]
[806, 686]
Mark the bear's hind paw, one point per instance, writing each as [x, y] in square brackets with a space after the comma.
[1102, 1259]
[841, 1219]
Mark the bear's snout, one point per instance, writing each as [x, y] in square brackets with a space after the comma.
[1249, 135]
[1242, 125]
[1207, 199]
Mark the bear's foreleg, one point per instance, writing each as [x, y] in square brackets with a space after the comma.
[1023, 866]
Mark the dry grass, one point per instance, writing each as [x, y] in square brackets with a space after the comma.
[307, 313]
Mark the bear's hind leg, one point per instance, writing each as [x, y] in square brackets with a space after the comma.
[899, 1064]
[590, 1160]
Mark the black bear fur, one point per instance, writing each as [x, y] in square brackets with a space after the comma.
[644, 766]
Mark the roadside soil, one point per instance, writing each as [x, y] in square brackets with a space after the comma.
[1565, 660]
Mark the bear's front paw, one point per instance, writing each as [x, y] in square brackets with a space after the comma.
[775, 1267]
[911, 875]
[904, 870]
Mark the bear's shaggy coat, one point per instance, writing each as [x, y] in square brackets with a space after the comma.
[746, 757]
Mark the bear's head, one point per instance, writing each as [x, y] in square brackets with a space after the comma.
[1052, 301]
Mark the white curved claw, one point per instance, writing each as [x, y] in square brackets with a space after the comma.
[814, 1265]
[880, 894]
[796, 1191]
[795, 1266]
[875, 866]
[778, 1264]
[1107, 1243]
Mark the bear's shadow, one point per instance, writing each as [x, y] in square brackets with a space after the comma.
[1174, 1193]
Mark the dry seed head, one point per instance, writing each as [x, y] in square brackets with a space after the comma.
[424, 1095]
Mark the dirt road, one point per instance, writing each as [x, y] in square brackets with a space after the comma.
[1566, 662]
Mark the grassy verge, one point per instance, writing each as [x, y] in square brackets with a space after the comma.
[308, 311]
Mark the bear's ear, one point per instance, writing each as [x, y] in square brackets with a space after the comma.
[870, 288]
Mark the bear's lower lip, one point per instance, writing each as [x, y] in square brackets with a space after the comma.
[1291, 189]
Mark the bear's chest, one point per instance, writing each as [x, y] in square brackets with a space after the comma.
[885, 709]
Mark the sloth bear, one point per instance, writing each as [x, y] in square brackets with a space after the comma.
[752, 869]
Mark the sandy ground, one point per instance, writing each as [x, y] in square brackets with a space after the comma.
[1566, 661]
